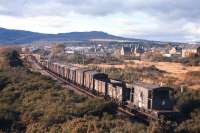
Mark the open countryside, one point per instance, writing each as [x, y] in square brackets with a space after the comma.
[90, 66]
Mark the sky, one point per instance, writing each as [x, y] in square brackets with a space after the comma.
[163, 20]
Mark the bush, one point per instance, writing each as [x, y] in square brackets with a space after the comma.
[10, 57]
[192, 61]
[135, 74]
[102, 125]
[191, 125]
[31, 102]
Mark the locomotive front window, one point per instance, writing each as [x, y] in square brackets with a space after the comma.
[161, 94]
[161, 99]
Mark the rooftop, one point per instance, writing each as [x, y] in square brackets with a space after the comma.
[147, 85]
[83, 69]
[127, 49]
[74, 68]
[191, 46]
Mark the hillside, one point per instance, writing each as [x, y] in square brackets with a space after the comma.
[31, 102]
[8, 36]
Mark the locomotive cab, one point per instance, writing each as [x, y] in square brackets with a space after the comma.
[150, 97]
[161, 99]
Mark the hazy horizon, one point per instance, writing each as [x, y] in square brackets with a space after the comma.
[152, 20]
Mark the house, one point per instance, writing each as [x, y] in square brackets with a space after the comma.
[138, 50]
[175, 51]
[129, 51]
[125, 51]
[117, 52]
[191, 50]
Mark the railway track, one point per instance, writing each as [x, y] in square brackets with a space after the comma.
[145, 117]
[120, 109]
[129, 109]
[124, 110]
[81, 90]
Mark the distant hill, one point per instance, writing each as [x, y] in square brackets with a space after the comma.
[8, 36]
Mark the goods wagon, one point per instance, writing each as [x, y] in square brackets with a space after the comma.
[72, 74]
[59, 69]
[80, 75]
[47, 64]
[101, 86]
[67, 72]
[37, 57]
[147, 98]
[90, 76]
[151, 97]
[55, 67]
[62, 71]
[42, 63]
[117, 91]
[51, 66]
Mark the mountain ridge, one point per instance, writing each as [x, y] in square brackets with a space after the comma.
[13, 36]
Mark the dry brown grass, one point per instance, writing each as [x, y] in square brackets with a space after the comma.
[176, 73]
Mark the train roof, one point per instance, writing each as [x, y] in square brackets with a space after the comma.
[129, 85]
[62, 65]
[68, 66]
[59, 64]
[74, 68]
[83, 69]
[54, 63]
[149, 86]
[116, 81]
[94, 72]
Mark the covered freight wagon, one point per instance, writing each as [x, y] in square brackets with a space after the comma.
[55, 67]
[152, 97]
[101, 86]
[59, 69]
[80, 75]
[51, 66]
[118, 91]
[45, 64]
[67, 72]
[90, 76]
[62, 71]
[72, 74]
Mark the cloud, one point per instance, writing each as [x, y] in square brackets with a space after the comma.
[152, 19]
[173, 8]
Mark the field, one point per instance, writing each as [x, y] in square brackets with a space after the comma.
[34, 103]
[31, 102]
[180, 74]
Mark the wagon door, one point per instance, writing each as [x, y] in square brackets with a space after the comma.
[96, 86]
[140, 99]
[119, 93]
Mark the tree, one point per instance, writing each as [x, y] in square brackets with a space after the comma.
[14, 59]
[9, 56]
[161, 126]
[58, 48]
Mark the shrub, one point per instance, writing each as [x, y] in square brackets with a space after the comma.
[30, 102]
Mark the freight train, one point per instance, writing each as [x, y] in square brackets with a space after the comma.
[154, 100]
